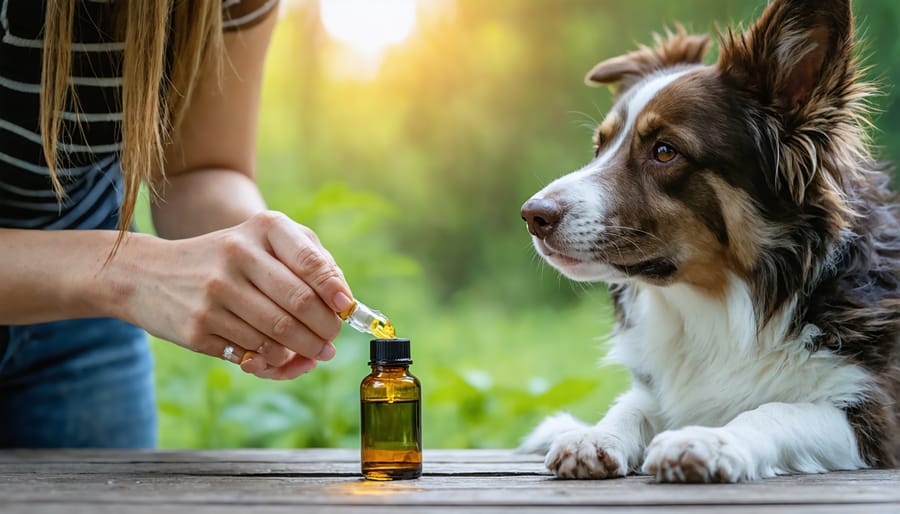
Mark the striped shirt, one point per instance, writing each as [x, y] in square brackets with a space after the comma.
[89, 153]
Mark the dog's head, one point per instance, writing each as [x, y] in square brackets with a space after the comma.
[703, 170]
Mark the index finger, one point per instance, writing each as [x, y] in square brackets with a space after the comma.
[300, 250]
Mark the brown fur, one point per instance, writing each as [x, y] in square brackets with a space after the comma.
[774, 182]
[624, 71]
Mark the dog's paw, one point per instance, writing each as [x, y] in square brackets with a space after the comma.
[542, 437]
[587, 453]
[696, 454]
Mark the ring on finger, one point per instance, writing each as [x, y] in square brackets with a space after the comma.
[233, 354]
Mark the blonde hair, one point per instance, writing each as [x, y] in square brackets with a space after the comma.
[155, 93]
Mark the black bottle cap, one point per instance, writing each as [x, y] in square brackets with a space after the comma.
[389, 351]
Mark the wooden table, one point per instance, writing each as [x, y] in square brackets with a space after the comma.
[294, 481]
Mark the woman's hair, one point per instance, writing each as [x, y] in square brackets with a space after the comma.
[155, 92]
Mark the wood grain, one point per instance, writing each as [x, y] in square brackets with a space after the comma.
[275, 481]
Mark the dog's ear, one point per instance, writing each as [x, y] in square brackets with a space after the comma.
[797, 62]
[674, 48]
[796, 51]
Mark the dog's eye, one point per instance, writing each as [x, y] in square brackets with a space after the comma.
[664, 152]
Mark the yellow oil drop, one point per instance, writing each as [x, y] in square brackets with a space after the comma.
[368, 320]
[383, 330]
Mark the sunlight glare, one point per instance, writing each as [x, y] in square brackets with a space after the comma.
[369, 25]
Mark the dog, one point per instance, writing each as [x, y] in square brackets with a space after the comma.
[751, 247]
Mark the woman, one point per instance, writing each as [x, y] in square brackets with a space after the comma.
[96, 98]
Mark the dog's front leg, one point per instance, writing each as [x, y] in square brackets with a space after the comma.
[611, 448]
[776, 438]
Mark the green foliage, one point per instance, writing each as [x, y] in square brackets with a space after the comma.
[489, 371]
[413, 178]
[483, 386]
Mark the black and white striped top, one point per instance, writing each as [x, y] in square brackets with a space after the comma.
[89, 159]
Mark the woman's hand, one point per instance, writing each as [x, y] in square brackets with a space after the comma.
[265, 286]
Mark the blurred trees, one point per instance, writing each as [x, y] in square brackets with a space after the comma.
[479, 109]
[412, 173]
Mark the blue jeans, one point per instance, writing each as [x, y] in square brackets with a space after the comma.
[85, 383]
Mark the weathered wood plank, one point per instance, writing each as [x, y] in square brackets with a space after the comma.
[313, 455]
[327, 481]
[93, 508]
[316, 462]
[430, 490]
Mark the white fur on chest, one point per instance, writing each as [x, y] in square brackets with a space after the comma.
[706, 361]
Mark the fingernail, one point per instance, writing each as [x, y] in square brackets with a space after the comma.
[247, 356]
[327, 352]
[342, 302]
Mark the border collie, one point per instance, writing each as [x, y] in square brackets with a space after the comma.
[752, 250]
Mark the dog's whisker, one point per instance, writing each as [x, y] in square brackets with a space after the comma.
[636, 230]
[589, 121]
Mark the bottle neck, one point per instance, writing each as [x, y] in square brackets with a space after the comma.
[390, 367]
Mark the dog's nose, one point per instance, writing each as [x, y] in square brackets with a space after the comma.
[541, 215]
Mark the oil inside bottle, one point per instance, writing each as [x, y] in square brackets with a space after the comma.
[391, 442]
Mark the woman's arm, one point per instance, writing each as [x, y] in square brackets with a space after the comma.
[238, 286]
[210, 167]
[235, 274]
[211, 162]
[48, 275]
[276, 288]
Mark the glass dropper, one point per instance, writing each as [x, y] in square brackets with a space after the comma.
[367, 320]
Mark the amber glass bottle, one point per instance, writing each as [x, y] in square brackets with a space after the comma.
[390, 414]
